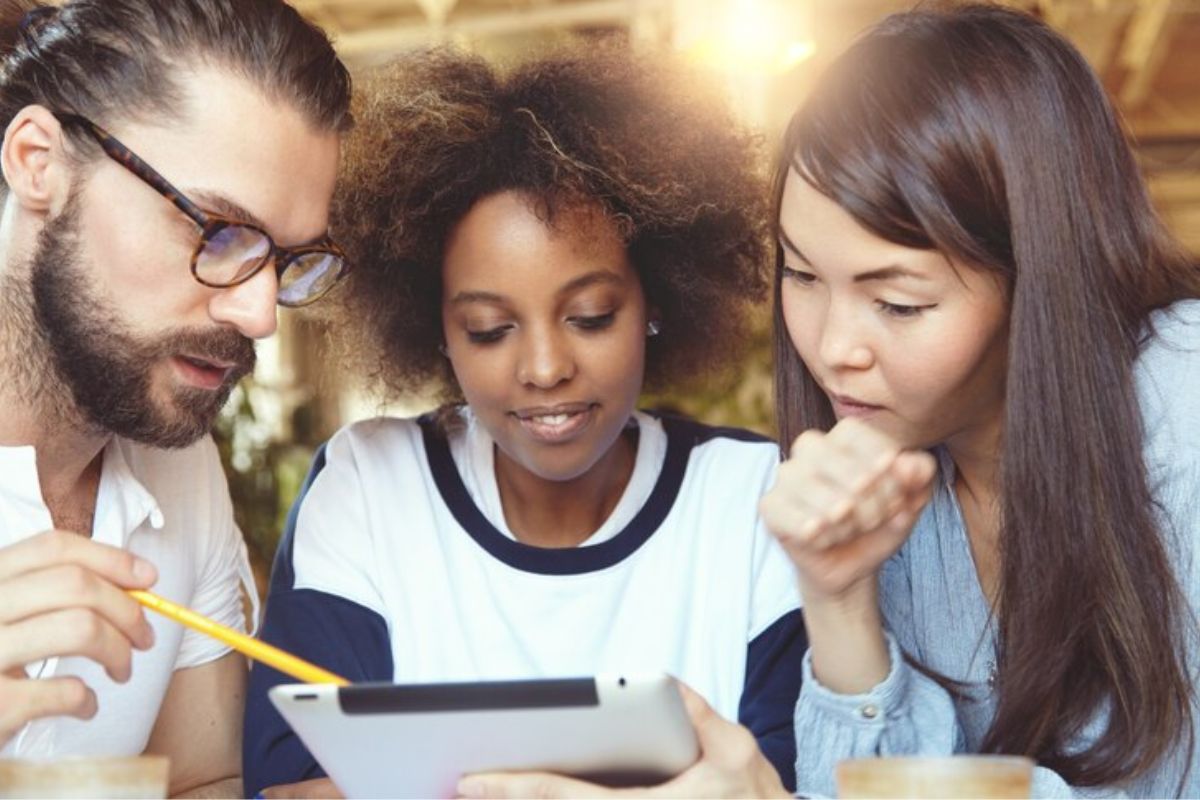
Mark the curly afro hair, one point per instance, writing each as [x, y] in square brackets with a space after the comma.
[634, 137]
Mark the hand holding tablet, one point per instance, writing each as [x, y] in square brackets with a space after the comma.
[730, 765]
[383, 740]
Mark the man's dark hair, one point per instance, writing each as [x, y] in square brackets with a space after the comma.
[119, 59]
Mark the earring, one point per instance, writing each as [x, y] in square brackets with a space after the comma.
[445, 351]
[653, 327]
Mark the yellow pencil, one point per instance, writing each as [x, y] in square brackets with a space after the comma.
[285, 662]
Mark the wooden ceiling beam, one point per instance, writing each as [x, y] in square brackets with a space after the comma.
[1145, 50]
[395, 38]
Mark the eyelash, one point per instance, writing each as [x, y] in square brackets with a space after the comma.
[899, 311]
[802, 278]
[593, 323]
[587, 324]
[891, 309]
[490, 336]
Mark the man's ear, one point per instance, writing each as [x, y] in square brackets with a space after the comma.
[33, 161]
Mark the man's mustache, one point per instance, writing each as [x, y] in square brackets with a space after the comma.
[225, 346]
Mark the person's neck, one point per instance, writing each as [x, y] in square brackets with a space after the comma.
[976, 454]
[67, 456]
[561, 514]
[37, 410]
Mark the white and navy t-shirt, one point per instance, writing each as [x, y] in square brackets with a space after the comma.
[397, 566]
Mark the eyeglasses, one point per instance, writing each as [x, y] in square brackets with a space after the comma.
[232, 251]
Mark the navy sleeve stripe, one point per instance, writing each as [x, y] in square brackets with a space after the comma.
[330, 631]
[773, 674]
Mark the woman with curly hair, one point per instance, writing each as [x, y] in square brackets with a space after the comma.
[537, 246]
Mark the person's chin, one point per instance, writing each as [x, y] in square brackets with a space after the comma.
[907, 436]
[190, 419]
[557, 463]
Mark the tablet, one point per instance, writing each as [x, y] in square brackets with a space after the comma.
[388, 740]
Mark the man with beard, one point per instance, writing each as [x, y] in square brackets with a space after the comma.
[168, 167]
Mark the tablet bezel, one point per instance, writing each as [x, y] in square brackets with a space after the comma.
[416, 740]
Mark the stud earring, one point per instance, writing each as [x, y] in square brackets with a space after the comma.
[653, 327]
[444, 350]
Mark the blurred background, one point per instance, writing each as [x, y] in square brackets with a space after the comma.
[764, 54]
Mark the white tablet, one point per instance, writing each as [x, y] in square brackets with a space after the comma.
[386, 740]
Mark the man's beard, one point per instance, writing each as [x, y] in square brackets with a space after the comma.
[104, 367]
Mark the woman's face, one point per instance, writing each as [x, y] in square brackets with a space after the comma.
[546, 330]
[912, 343]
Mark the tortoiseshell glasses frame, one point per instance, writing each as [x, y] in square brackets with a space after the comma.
[232, 251]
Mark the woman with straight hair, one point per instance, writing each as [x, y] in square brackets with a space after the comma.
[988, 362]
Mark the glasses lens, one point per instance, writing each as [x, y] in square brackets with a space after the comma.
[231, 253]
[309, 276]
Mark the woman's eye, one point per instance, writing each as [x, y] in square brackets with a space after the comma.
[488, 336]
[593, 323]
[902, 311]
[800, 277]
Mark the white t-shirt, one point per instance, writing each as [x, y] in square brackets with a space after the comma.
[172, 508]
[397, 566]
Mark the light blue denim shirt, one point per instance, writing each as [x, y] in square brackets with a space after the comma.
[936, 611]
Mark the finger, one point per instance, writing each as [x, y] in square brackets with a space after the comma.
[315, 788]
[534, 785]
[878, 501]
[70, 586]
[70, 632]
[863, 442]
[915, 471]
[788, 511]
[886, 493]
[26, 700]
[837, 486]
[807, 496]
[697, 707]
[848, 468]
[857, 463]
[805, 442]
[58, 547]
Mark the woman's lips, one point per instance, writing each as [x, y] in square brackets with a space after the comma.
[556, 424]
[845, 406]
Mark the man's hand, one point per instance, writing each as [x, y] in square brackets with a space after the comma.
[62, 594]
[730, 765]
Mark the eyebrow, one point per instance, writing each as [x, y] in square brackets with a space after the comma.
[224, 206]
[881, 274]
[583, 281]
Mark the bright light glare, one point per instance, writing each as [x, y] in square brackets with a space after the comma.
[758, 37]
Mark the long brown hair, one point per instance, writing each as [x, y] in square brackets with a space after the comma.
[981, 133]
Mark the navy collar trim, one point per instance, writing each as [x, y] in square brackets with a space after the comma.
[553, 560]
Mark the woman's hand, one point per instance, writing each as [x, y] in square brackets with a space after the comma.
[315, 788]
[730, 765]
[842, 504]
